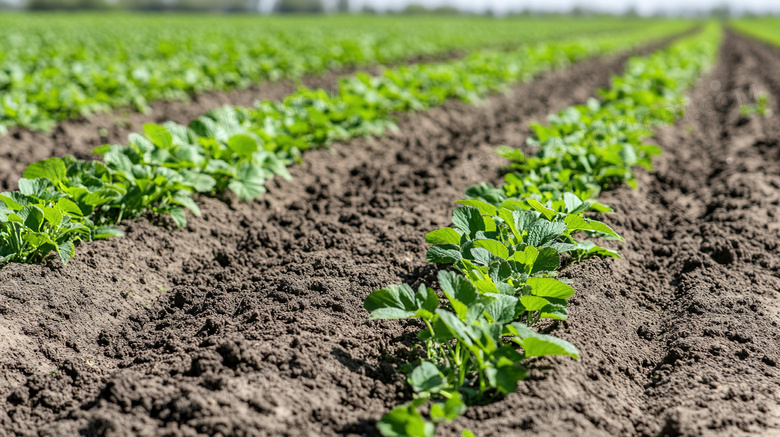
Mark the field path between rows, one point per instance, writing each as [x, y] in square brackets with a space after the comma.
[680, 336]
[250, 320]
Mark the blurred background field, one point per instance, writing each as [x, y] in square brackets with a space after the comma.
[67, 59]
[687, 8]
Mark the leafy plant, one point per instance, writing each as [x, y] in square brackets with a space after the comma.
[467, 358]
[36, 221]
[760, 107]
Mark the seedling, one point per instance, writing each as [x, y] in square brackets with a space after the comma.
[761, 107]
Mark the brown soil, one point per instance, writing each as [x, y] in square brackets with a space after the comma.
[250, 320]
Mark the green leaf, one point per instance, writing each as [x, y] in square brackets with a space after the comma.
[483, 207]
[543, 231]
[242, 145]
[249, 183]
[405, 421]
[533, 303]
[548, 260]
[461, 293]
[4, 211]
[467, 433]
[401, 302]
[485, 286]
[159, 135]
[66, 250]
[52, 169]
[527, 256]
[14, 200]
[505, 377]
[449, 410]
[69, 207]
[443, 236]
[548, 213]
[34, 187]
[454, 326]
[179, 216]
[427, 378]
[572, 202]
[468, 220]
[202, 183]
[32, 217]
[539, 345]
[480, 256]
[188, 203]
[495, 247]
[101, 150]
[105, 232]
[549, 287]
[577, 223]
[444, 254]
[52, 215]
[503, 309]
[555, 312]
[509, 218]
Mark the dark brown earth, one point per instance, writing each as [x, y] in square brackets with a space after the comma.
[250, 321]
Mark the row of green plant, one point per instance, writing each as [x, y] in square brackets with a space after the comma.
[63, 201]
[768, 30]
[764, 28]
[56, 67]
[506, 244]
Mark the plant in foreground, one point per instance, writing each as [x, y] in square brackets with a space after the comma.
[505, 258]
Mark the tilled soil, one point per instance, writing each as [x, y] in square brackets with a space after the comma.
[250, 320]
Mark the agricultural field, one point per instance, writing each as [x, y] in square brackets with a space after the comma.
[397, 226]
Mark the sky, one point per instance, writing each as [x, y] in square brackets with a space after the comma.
[645, 7]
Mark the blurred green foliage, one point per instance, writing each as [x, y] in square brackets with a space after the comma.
[58, 67]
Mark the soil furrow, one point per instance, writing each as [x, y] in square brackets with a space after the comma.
[679, 336]
[250, 321]
[720, 330]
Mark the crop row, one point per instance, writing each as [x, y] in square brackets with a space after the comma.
[766, 29]
[506, 244]
[63, 201]
[54, 68]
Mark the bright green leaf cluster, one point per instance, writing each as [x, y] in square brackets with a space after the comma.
[468, 360]
[40, 218]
